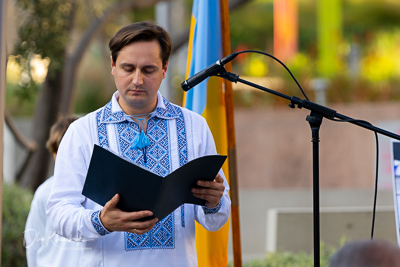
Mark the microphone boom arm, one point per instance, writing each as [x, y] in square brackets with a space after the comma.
[319, 109]
[315, 120]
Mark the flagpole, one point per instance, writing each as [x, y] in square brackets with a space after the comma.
[233, 183]
[3, 61]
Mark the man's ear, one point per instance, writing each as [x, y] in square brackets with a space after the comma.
[165, 69]
[112, 65]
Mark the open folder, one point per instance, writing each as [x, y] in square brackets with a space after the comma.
[140, 189]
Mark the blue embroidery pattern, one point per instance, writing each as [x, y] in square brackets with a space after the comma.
[213, 210]
[183, 215]
[102, 132]
[162, 236]
[182, 144]
[97, 224]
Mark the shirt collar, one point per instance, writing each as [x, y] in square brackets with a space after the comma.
[112, 112]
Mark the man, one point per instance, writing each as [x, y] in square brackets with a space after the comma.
[366, 253]
[43, 246]
[141, 126]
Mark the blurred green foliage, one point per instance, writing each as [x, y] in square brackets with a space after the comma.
[370, 28]
[44, 32]
[16, 205]
[369, 52]
[289, 259]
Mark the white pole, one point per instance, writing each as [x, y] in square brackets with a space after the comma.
[3, 61]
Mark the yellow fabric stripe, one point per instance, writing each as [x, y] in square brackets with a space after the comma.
[212, 247]
[190, 49]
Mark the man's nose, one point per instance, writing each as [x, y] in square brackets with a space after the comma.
[137, 78]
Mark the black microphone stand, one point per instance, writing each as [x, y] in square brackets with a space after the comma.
[318, 112]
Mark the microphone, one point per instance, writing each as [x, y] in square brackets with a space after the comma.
[207, 72]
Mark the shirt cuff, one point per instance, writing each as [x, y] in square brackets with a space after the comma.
[213, 210]
[95, 218]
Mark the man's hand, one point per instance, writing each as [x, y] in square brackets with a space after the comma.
[114, 219]
[210, 191]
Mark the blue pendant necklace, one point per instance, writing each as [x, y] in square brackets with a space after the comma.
[141, 140]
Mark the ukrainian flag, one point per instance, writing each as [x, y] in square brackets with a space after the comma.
[207, 99]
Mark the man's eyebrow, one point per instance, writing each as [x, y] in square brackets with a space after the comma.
[124, 65]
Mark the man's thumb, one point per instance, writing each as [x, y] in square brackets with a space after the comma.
[114, 201]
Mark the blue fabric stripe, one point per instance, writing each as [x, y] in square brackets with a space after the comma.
[207, 49]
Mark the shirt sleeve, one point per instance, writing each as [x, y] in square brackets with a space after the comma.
[210, 219]
[35, 227]
[69, 212]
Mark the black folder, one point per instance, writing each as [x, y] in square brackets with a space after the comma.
[140, 189]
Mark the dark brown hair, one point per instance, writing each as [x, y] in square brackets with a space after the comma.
[141, 31]
[366, 252]
[57, 132]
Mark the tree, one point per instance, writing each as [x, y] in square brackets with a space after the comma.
[48, 34]
[45, 33]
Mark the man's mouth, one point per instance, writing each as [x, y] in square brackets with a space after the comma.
[137, 90]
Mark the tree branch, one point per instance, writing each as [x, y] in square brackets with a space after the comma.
[73, 61]
[19, 137]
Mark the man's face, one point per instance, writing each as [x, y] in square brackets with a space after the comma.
[138, 73]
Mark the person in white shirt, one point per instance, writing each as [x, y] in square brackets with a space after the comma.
[43, 246]
[141, 126]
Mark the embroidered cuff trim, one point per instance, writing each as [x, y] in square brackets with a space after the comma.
[97, 224]
[213, 210]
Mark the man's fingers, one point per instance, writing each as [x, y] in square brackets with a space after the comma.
[143, 227]
[211, 192]
[213, 196]
[134, 216]
[217, 183]
[206, 186]
[219, 179]
[138, 227]
[117, 220]
[112, 203]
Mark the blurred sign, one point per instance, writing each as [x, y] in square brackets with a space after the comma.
[396, 183]
[385, 172]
